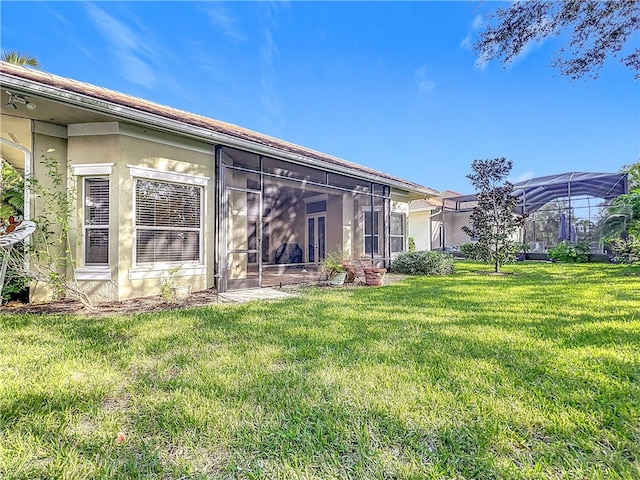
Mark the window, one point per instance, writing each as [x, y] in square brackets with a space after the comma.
[168, 223]
[316, 207]
[96, 221]
[397, 232]
[371, 232]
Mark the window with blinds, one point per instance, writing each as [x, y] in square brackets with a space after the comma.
[96, 221]
[168, 222]
[397, 232]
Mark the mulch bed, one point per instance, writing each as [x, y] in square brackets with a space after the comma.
[105, 309]
[138, 305]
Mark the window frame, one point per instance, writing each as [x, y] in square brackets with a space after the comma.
[86, 227]
[367, 210]
[403, 236]
[99, 272]
[137, 228]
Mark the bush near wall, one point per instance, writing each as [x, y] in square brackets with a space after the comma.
[423, 263]
[475, 251]
[570, 252]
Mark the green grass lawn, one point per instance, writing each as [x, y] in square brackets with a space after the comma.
[534, 374]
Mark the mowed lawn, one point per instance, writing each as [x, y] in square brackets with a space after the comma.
[533, 374]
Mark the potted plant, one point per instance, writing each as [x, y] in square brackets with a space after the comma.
[374, 276]
[333, 266]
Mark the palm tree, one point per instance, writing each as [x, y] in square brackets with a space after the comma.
[623, 216]
[12, 192]
[19, 58]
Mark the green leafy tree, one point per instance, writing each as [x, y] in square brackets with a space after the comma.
[11, 192]
[623, 216]
[50, 250]
[595, 30]
[20, 58]
[493, 219]
[620, 226]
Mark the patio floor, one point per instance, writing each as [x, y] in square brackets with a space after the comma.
[242, 296]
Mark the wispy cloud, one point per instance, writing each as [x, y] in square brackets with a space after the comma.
[467, 41]
[271, 103]
[423, 81]
[522, 177]
[481, 62]
[477, 22]
[224, 22]
[131, 50]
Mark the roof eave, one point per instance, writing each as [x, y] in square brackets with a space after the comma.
[171, 125]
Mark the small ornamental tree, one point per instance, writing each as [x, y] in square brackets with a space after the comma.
[493, 219]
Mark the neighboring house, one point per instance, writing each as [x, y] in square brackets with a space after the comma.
[436, 223]
[159, 188]
[435, 228]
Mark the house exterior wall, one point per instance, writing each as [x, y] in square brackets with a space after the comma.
[123, 152]
[124, 146]
[49, 142]
[348, 224]
[335, 224]
[420, 229]
[454, 223]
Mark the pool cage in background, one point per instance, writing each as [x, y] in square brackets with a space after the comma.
[574, 200]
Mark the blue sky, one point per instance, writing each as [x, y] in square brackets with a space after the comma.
[390, 85]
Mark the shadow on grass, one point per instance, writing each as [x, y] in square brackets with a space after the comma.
[438, 376]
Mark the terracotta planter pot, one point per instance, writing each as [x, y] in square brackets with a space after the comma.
[374, 276]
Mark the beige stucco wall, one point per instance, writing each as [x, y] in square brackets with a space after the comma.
[128, 151]
[453, 224]
[453, 228]
[335, 227]
[419, 227]
[127, 146]
[348, 226]
[48, 141]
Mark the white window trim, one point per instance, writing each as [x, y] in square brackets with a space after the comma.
[97, 272]
[316, 198]
[84, 224]
[157, 269]
[164, 176]
[89, 169]
[404, 216]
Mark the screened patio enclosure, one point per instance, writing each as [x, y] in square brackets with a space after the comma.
[279, 220]
[573, 200]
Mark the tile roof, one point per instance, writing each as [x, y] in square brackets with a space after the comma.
[191, 119]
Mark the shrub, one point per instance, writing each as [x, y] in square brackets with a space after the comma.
[424, 263]
[333, 263]
[570, 252]
[412, 244]
[626, 250]
[475, 251]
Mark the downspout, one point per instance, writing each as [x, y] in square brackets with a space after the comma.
[442, 232]
[217, 262]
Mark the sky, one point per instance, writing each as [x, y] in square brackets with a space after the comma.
[393, 86]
